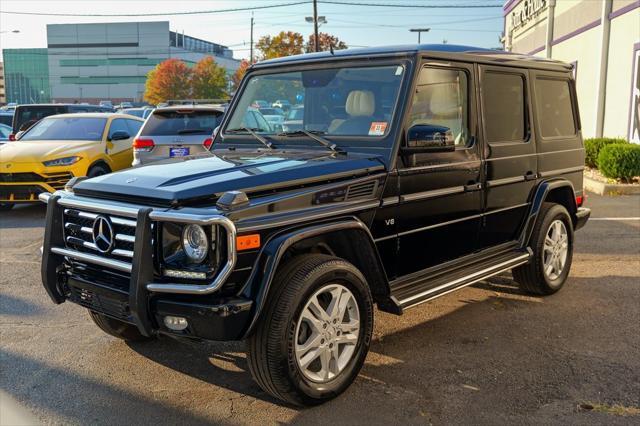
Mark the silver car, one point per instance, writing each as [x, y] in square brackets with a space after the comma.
[176, 131]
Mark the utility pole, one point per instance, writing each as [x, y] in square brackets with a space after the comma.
[251, 42]
[315, 26]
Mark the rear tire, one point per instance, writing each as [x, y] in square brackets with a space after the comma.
[299, 332]
[97, 170]
[119, 329]
[5, 207]
[552, 245]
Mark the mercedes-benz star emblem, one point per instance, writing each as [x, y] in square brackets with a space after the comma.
[103, 234]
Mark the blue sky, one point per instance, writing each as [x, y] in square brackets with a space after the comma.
[356, 25]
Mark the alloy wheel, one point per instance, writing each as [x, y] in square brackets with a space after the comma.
[556, 249]
[327, 333]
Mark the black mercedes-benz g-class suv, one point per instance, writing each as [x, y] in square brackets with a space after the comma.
[415, 171]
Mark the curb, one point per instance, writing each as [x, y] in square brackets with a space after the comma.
[602, 188]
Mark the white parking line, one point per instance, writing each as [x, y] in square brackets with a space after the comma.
[615, 218]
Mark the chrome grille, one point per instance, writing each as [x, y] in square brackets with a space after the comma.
[78, 234]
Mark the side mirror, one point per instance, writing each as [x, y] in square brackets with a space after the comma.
[119, 136]
[19, 135]
[429, 138]
[215, 132]
[277, 128]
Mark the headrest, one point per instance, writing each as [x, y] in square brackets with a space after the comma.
[360, 103]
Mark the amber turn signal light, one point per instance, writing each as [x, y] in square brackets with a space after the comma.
[248, 242]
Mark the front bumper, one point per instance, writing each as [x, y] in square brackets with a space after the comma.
[582, 216]
[26, 187]
[139, 300]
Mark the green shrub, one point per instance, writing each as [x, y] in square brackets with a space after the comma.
[620, 161]
[593, 146]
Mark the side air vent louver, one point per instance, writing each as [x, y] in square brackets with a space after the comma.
[365, 189]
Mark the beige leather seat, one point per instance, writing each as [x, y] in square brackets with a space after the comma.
[360, 105]
[439, 102]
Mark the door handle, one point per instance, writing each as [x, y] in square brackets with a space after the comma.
[472, 186]
[530, 176]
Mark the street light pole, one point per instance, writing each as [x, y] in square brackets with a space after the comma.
[420, 31]
[316, 46]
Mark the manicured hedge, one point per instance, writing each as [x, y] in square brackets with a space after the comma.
[593, 146]
[620, 161]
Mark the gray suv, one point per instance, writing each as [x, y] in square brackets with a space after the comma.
[176, 131]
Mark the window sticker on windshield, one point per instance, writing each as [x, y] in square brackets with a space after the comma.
[377, 128]
[399, 70]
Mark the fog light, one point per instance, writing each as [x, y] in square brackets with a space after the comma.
[175, 323]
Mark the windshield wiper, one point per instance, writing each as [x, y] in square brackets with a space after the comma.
[313, 134]
[252, 132]
[188, 131]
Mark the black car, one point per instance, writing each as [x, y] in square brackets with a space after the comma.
[416, 171]
[27, 115]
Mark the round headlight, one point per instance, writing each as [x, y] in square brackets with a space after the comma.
[194, 242]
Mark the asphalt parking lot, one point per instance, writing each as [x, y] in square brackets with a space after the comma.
[485, 355]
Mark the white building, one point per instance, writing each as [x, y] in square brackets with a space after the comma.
[601, 38]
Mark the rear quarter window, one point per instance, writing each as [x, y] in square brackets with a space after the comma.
[554, 107]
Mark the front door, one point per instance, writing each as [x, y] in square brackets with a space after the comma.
[511, 161]
[120, 150]
[439, 213]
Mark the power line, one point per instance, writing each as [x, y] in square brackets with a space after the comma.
[418, 6]
[193, 12]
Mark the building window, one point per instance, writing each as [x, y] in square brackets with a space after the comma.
[634, 105]
[503, 105]
[554, 106]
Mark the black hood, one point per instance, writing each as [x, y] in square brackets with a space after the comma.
[174, 183]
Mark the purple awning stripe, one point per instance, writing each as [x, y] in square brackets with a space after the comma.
[576, 32]
[538, 50]
[508, 6]
[623, 10]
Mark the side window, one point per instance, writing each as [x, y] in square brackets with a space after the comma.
[134, 126]
[262, 122]
[249, 120]
[554, 107]
[442, 101]
[503, 105]
[118, 125]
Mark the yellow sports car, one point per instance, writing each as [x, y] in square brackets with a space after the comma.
[60, 147]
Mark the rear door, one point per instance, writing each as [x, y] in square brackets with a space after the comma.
[510, 152]
[560, 150]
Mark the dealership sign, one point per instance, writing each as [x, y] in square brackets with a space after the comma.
[526, 11]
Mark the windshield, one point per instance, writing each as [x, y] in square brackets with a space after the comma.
[168, 123]
[66, 129]
[347, 101]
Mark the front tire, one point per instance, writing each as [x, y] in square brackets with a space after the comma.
[315, 332]
[552, 245]
[97, 170]
[119, 329]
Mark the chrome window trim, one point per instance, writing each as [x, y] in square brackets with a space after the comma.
[504, 181]
[431, 194]
[561, 171]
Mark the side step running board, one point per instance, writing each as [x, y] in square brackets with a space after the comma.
[442, 286]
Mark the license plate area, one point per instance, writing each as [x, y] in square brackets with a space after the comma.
[178, 151]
